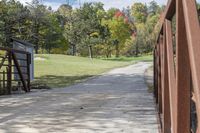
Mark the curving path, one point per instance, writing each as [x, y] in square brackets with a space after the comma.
[115, 102]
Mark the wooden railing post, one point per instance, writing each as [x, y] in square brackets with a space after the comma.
[171, 75]
[166, 101]
[193, 33]
[174, 77]
[159, 76]
[182, 72]
[155, 75]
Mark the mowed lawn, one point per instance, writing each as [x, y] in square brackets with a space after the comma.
[56, 71]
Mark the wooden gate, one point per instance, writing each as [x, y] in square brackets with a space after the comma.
[177, 69]
[14, 70]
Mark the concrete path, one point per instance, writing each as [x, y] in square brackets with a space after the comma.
[116, 102]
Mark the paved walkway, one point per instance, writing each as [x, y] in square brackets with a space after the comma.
[115, 102]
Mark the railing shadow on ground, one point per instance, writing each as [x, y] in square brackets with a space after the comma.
[82, 108]
[52, 81]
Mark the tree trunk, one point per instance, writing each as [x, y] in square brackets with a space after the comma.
[49, 50]
[107, 52]
[90, 52]
[107, 55]
[36, 37]
[74, 50]
[37, 46]
[117, 50]
[7, 35]
[136, 50]
[110, 54]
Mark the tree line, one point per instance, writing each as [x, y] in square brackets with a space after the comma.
[86, 31]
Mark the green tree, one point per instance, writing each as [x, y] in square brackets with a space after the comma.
[154, 8]
[73, 31]
[91, 24]
[139, 12]
[13, 21]
[54, 34]
[105, 35]
[111, 13]
[145, 30]
[39, 20]
[120, 31]
[64, 14]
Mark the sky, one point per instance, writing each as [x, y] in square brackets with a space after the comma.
[107, 3]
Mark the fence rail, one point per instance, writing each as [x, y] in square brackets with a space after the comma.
[177, 76]
[14, 63]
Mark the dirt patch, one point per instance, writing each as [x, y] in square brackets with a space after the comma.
[39, 59]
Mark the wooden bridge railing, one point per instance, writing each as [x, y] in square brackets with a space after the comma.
[177, 76]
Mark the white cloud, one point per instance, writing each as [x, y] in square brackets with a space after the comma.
[123, 3]
[160, 2]
[107, 3]
[24, 1]
[54, 5]
[113, 3]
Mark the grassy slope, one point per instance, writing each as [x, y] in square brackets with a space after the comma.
[61, 70]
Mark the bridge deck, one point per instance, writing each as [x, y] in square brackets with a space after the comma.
[114, 102]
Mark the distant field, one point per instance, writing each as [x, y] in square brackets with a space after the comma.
[58, 71]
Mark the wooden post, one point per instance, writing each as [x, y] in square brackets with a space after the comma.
[182, 72]
[9, 73]
[193, 31]
[171, 75]
[165, 92]
[159, 76]
[20, 72]
[28, 70]
[155, 75]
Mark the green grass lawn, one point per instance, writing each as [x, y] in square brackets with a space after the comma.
[56, 71]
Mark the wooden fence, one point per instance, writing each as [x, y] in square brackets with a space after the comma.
[14, 68]
[177, 69]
